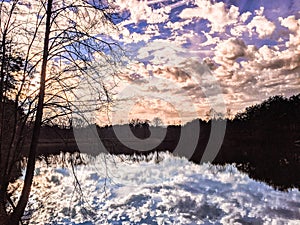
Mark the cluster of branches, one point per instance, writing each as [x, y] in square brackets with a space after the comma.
[57, 60]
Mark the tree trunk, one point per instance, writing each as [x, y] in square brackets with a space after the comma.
[3, 214]
[17, 214]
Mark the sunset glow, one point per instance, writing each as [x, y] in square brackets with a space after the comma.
[251, 47]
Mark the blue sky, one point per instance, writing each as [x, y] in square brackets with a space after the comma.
[251, 47]
[186, 57]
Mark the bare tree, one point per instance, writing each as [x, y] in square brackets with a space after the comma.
[69, 67]
[157, 122]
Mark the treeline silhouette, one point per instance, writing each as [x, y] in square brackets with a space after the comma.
[263, 141]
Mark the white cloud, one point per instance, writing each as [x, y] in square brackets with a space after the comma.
[245, 16]
[217, 14]
[228, 51]
[173, 73]
[163, 52]
[152, 30]
[263, 27]
[259, 24]
[291, 23]
[209, 39]
[140, 10]
[294, 27]
[178, 25]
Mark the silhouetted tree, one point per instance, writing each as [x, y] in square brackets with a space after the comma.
[157, 122]
[60, 42]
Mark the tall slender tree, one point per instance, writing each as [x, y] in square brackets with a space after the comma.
[66, 47]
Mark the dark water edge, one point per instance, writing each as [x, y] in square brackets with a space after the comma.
[269, 154]
[263, 141]
[65, 159]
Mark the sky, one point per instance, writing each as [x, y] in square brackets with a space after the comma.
[182, 57]
[248, 50]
